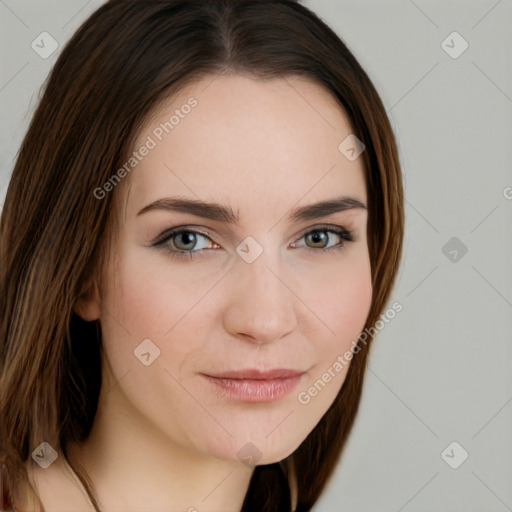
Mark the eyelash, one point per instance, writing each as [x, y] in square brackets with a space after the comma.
[161, 240]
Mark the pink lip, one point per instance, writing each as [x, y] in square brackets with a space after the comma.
[253, 385]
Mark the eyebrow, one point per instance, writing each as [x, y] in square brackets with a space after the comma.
[226, 215]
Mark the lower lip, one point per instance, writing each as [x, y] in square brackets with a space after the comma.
[252, 390]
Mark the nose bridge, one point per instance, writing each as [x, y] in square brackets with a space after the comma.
[261, 307]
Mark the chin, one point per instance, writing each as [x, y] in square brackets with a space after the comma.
[253, 449]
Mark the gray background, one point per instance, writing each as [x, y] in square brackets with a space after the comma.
[440, 371]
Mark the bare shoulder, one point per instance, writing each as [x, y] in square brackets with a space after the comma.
[57, 489]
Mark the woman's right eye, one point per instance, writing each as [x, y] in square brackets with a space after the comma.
[189, 240]
[184, 242]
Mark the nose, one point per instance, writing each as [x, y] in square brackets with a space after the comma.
[261, 306]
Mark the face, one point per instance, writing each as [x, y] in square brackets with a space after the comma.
[223, 324]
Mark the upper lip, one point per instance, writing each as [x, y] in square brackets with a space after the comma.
[254, 374]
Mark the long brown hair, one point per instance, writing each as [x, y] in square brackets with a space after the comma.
[124, 60]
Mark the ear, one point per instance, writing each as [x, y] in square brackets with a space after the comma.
[87, 306]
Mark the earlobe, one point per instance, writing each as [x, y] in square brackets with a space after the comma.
[87, 305]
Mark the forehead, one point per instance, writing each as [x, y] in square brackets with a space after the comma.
[249, 143]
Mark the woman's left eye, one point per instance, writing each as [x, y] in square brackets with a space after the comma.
[325, 238]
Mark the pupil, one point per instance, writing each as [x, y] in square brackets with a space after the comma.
[187, 239]
[318, 237]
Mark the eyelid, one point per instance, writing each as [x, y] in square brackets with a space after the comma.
[327, 227]
[168, 233]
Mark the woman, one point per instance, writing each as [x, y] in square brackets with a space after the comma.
[205, 214]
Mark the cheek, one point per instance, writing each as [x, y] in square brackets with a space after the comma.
[350, 301]
[161, 302]
[149, 300]
[342, 299]
[340, 293]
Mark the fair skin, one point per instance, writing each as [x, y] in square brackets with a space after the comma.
[165, 436]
